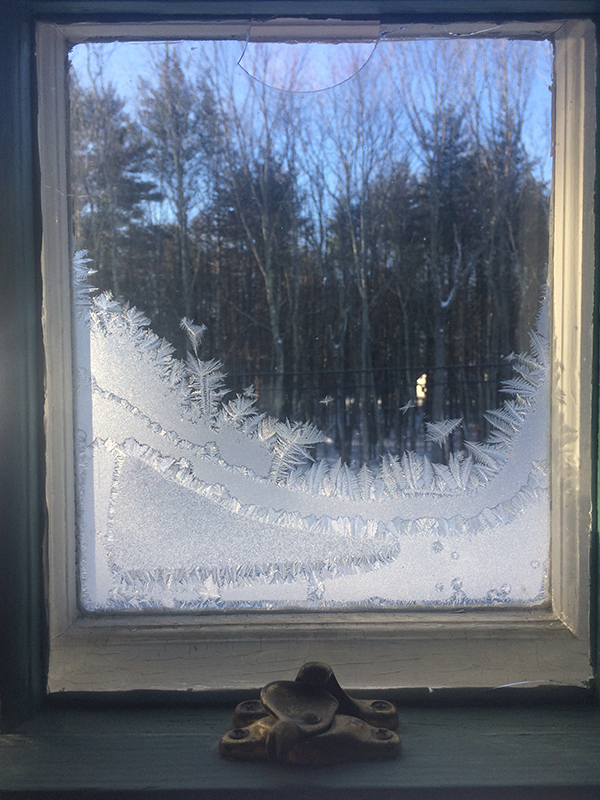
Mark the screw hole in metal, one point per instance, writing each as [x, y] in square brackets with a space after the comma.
[239, 733]
[310, 718]
[250, 705]
[381, 705]
[382, 733]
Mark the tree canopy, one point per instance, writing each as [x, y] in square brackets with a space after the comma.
[338, 246]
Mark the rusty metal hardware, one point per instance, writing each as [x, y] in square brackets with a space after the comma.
[311, 721]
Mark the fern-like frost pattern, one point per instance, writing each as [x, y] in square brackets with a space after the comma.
[191, 499]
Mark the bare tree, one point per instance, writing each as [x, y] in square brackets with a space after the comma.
[357, 123]
[261, 184]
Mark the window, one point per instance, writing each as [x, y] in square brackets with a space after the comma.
[418, 648]
[333, 242]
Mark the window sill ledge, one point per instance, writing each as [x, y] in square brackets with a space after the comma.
[540, 752]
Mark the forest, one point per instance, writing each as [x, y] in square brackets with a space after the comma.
[368, 257]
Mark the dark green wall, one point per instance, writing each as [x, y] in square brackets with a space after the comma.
[21, 378]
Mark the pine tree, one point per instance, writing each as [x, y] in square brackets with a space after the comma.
[108, 163]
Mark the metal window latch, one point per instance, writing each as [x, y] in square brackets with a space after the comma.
[311, 721]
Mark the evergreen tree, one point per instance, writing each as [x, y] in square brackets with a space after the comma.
[109, 159]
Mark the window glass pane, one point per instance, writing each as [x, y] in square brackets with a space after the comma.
[313, 372]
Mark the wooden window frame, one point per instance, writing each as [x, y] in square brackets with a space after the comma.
[538, 753]
[385, 649]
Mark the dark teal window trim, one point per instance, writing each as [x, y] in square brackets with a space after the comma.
[127, 749]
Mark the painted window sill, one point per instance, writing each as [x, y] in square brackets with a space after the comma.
[534, 750]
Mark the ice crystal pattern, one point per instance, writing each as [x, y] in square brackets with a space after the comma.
[189, 498]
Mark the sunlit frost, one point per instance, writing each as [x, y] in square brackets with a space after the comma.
[190, 498]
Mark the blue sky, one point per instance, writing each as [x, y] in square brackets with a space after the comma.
[321, 65]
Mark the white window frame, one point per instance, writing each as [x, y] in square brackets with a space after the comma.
[377, 649]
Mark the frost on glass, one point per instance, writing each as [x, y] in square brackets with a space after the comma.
[191, 500]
